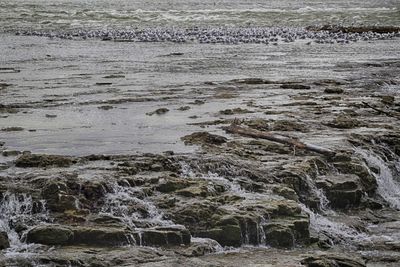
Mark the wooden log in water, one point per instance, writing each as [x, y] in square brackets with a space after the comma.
[387, 113]
[245, 131]
[354, 29]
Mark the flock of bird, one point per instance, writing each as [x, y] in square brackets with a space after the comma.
[218, 35]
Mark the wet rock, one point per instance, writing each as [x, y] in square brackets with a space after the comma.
[114, 76]
[172, 184]
[342, 191]
[344, 122]
[166, 236]
[295, 86]
[228, 235]
[184, 108]
[354, 29]
[41, 160]
[159, 111]
[234, 111]
[279, 236]
[7, 109]
[387, 100]
[93, 190]
[50, 235]
[11, 153]
[12, 129]
[202, 190]
[4, 242]
[333, 90]
[200, 247]
[96, 236]
[204, 138]
[57, 198]
[285, 192]
[106, 107]
[4, 85]
[252, 81]
[286, 125]
[285, 232]
[91, 236]
[106, 219]
[197, 102]
[103, 83]
[259, 124]
[332, 261]
[368, 181]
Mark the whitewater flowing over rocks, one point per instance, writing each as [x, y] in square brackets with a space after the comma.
[119, 140]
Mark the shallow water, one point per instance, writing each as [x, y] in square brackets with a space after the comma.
[61, 77]
[63, 14]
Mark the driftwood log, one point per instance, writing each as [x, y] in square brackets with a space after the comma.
[245, 131]
[387, 113]
[354, 29]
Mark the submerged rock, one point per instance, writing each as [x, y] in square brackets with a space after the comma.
[345, 122]
[295, 86]
[200, 247]
[159, 111]
[333, 90]
[286, 125]
[12, 129]
[204, 138]
[4, 242]
[42, 160]
[234, 111]
[332, 261]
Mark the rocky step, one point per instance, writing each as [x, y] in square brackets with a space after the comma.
[4, 242]
[284, 232]
[59, 235]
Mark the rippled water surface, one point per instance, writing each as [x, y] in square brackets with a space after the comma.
[60, 86]
[43, 14]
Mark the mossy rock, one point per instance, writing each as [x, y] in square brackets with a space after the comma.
[166, 236]
[171, 185]
[280, 236]
[100, 236]
[41, 160]
[4, 242]
[228, 235]
[204, 138]
[50, 235]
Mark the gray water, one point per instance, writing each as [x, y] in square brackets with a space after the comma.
[50, 77]
[62, 14]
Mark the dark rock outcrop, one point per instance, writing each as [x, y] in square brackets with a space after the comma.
[204, 138]
[41, 160]
[332, 261]
[50, 235]
[4, 242]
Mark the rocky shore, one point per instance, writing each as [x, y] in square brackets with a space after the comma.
[160, 209]
[228, 200]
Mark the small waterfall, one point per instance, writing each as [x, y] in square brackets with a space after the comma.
[321, 223]
[18, 212]
[319, 193]
[122, 201]
[235, 188]
[388, 185]
[335, 231]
